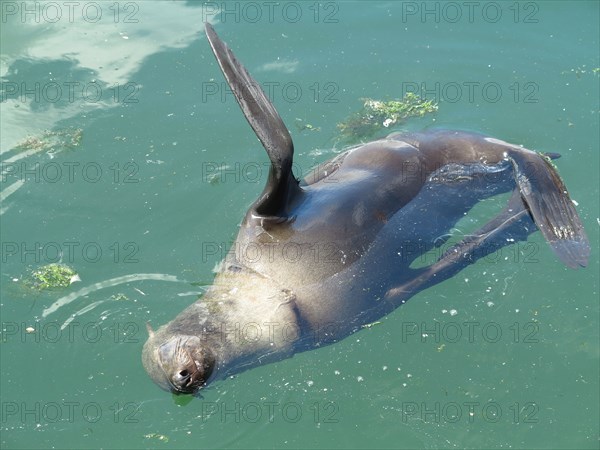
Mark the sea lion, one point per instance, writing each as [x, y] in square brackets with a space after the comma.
[316, 260]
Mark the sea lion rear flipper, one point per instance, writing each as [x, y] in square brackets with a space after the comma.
[552, 210]
[512, 224]
[268, 126]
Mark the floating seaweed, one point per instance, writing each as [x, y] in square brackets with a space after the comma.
[302, 126]
[52, 276]
[52, 141]
[376, 114]
[160, 437]
[580, 71]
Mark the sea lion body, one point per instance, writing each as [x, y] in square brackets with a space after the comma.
[315, 261]
[346, 208]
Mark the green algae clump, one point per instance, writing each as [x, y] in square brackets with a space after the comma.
[376, 114]
[52, 276]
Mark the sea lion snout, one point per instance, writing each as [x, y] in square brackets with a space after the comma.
[180, 364]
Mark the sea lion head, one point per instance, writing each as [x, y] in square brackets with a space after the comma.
[177, 363]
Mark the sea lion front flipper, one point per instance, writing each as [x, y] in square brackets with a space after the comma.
[549, 203]
[268, 126]
[512, 224]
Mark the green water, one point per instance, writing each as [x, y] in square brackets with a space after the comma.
[143, 197]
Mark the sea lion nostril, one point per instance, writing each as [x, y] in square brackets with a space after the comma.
[183, 380]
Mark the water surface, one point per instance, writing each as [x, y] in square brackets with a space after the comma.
[113, 128]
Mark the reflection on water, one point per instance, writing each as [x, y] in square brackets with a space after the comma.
[72, 68]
